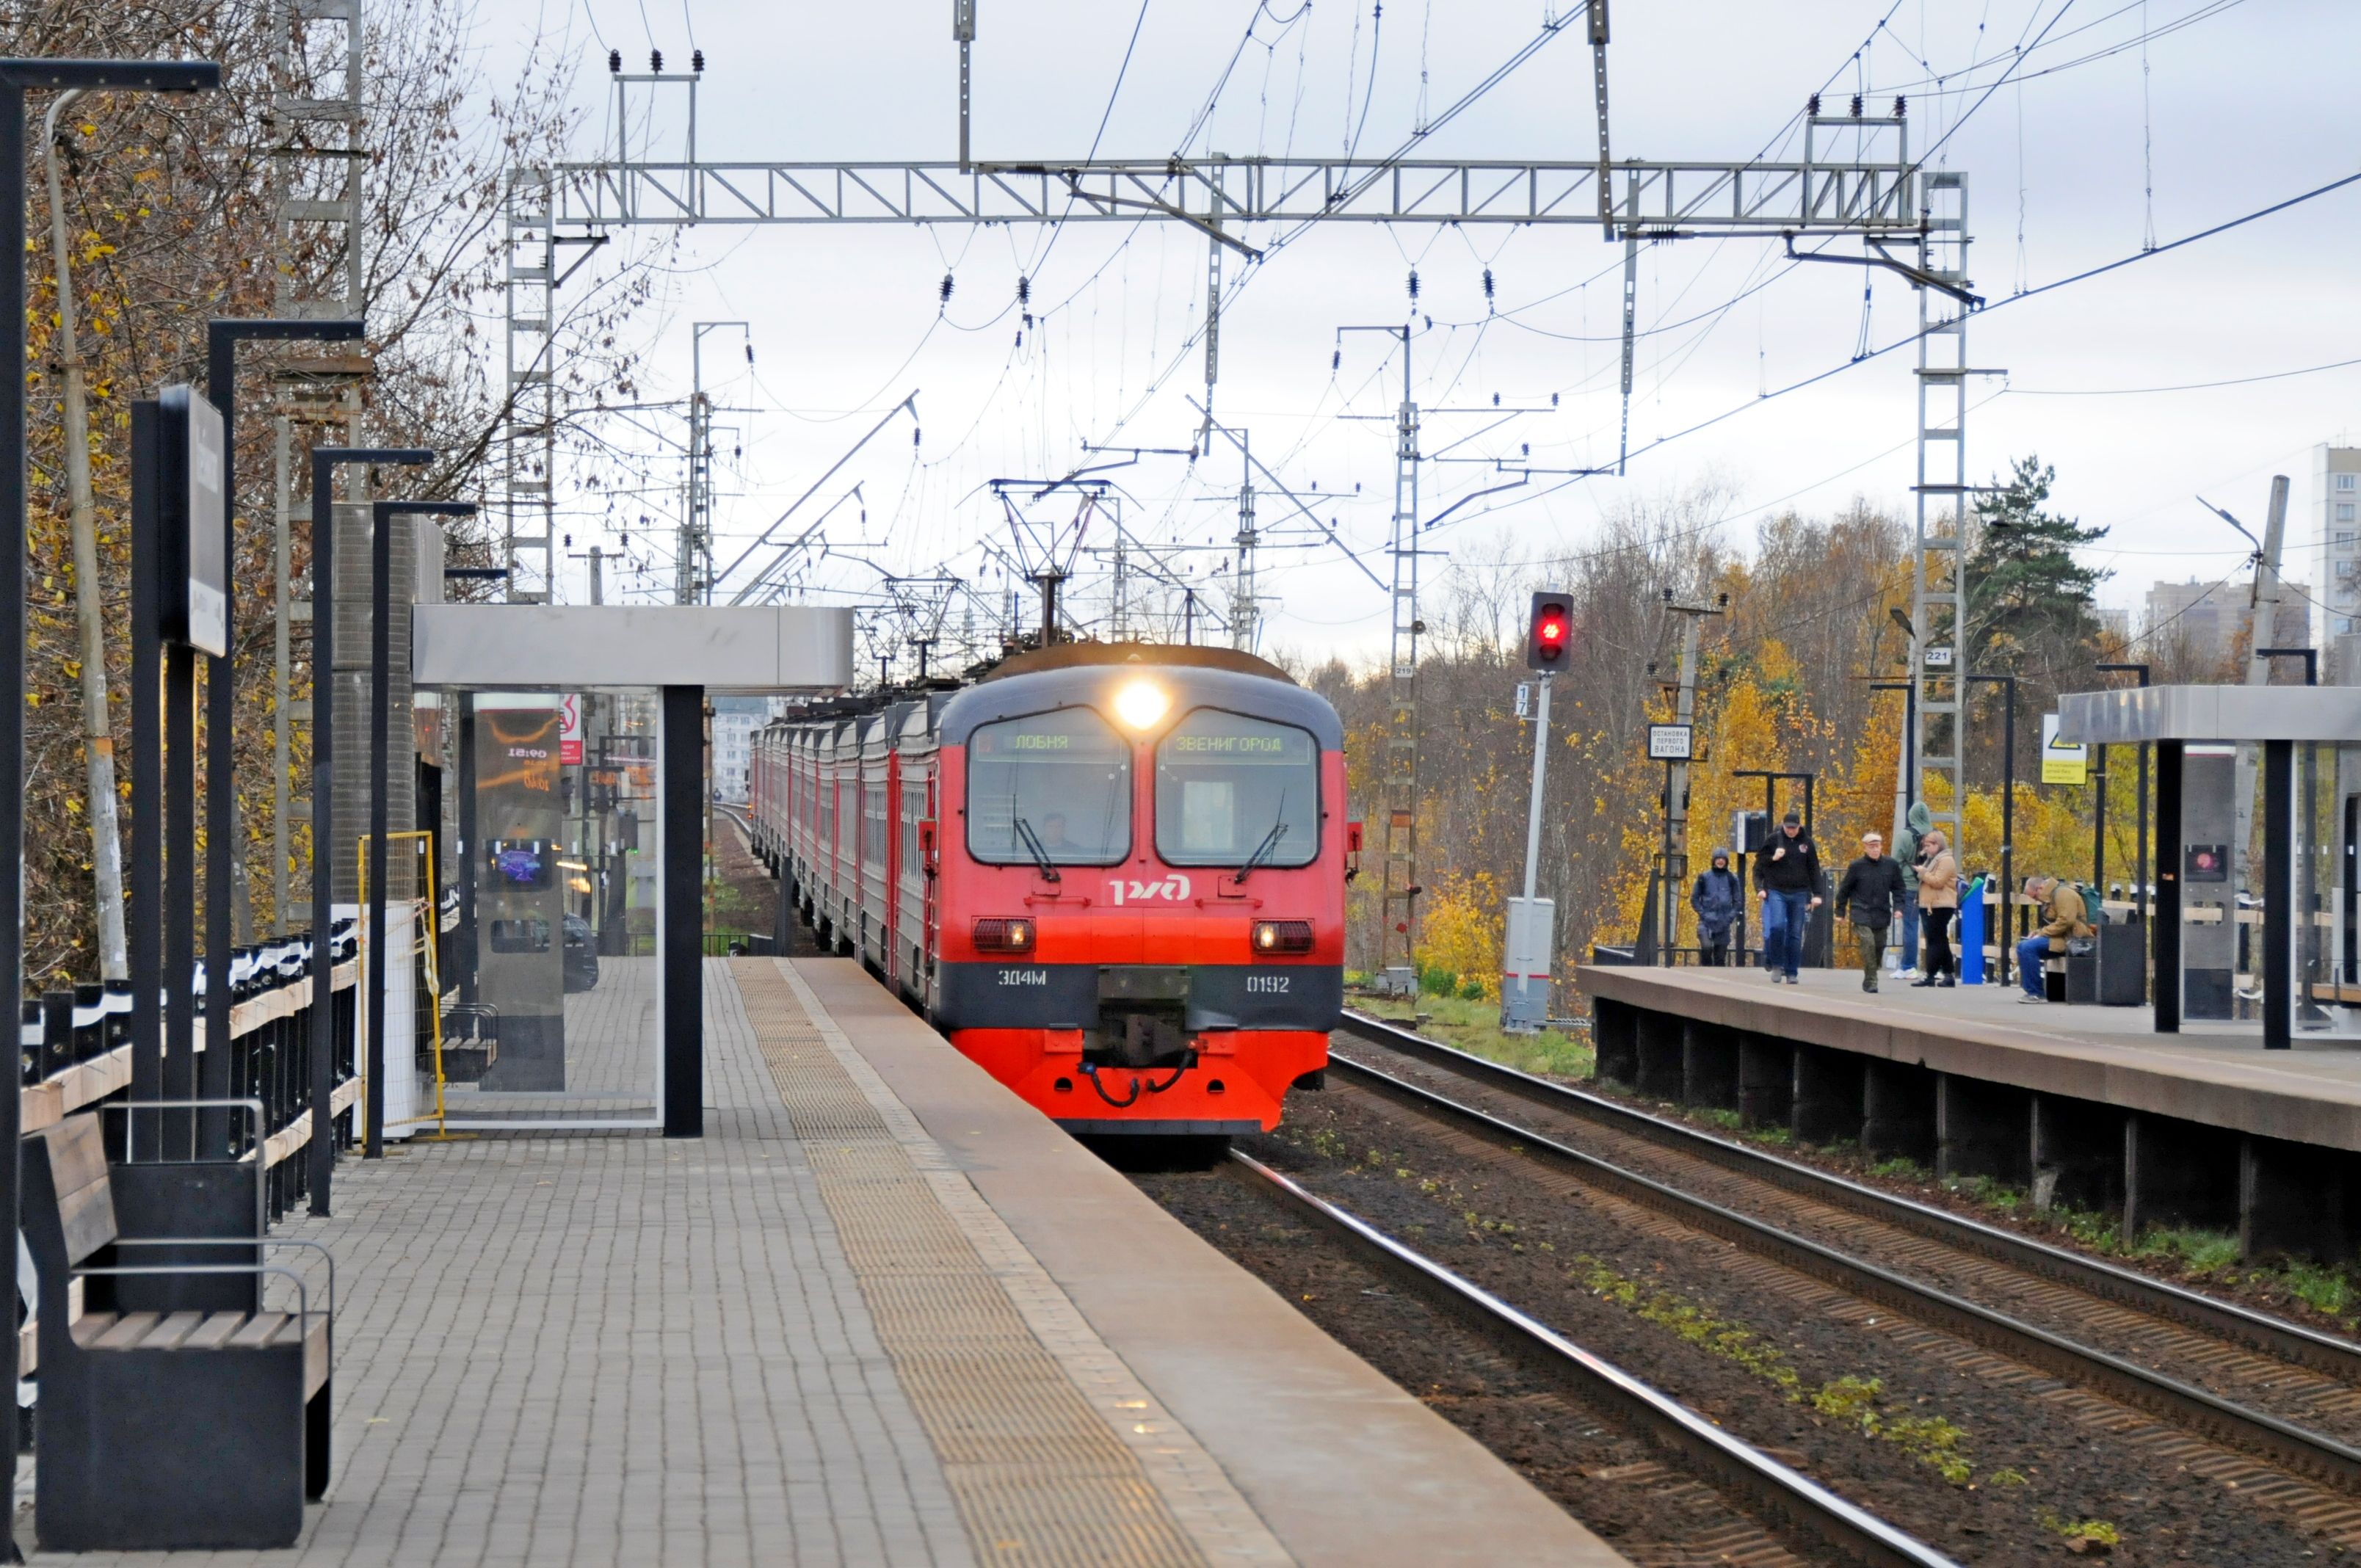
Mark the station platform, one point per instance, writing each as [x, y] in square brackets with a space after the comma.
[883, 1312]
[2087, 1103]
[2218, 1076]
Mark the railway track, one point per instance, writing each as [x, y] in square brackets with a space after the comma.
[1766, 1489]
[2227, 1343]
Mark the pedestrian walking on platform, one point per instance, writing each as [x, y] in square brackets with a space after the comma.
[2064, 916]
[1938, 901]
[1717, 899]
[1788, 877]
[1869, 894]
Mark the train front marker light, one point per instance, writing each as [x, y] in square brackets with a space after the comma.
[1141, 703]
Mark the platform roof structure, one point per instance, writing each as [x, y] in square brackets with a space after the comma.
[2246, 714]
[715, 647]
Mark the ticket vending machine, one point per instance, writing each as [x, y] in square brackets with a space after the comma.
[2209, 883]
[520, 897]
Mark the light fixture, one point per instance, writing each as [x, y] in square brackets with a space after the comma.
[1141, 703]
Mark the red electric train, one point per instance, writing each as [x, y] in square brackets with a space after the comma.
[1113, 874]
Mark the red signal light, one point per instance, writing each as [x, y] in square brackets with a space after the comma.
[1549, 631]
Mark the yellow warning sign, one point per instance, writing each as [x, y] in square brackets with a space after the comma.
[2062, 762]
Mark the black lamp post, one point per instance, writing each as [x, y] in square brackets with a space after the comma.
[383, 514]
[222, 338]
[326, 460]
[16, 78]
[2007, 821]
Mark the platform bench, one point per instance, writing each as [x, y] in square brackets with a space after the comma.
[181, 1427]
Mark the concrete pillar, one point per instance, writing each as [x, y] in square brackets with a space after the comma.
[1825, 1103]
[2295, 1199]
[1766, 1080]
[2178, 1173]
[1615, 1038]
[2078, 1154]
[1897, 1110]
[1709, 1066]
[1661, 1040]
[1982, 1129]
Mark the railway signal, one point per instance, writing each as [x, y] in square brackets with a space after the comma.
[1549, 631]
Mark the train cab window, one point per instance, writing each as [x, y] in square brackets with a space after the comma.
[1054, 785]
[1231, 790]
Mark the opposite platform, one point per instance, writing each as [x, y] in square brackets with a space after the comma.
[2112, 1055]
[882, 1313]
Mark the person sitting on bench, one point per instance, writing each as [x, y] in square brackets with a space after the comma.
[2064, 918]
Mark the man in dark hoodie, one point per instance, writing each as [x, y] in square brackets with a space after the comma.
[1871, 891]
[1787, 873]
[1717, 898]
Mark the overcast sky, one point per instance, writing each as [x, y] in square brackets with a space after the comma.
[2247, 104]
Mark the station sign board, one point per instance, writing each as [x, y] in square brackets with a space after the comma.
[194, 529]
[1670, 743]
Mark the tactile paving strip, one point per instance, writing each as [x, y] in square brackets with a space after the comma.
[1053, 1452]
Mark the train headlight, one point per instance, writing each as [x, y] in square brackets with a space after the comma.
[1141, 703]
[1282, 937]
[1004, 935]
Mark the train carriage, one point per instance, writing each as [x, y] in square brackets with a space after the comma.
[1113, 874]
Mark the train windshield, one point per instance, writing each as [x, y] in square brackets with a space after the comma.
[1050, 786]
[1232, 791]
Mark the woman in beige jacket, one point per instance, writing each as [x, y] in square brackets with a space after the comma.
[1939, 900]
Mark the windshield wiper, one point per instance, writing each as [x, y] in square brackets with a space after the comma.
[1040, 855]
[1269, 842]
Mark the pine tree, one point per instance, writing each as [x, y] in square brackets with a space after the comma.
[2026, 590]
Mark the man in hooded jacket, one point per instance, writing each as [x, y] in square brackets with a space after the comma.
[1717, 899]
[1909, 853]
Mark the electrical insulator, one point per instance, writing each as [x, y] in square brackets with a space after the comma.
[1856, 106]
[947, 288]
[1901, 107]
[1487, 282]
[655, 61]
[1336, 360]
[1812, 105]
[1496, 400]
[1024, 290]
[615, 62]
[696, 60]
[914, 436]
[1414, 282]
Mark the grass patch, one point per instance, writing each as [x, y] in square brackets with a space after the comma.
[1988, 1189]
[1728, 1120]
[2205, 1251]
[1857, 1402]
[1474, 1026]
[2085, 1534]
[1901, 1167]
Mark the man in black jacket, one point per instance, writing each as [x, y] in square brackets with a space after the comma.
[1787, 872]
[1871, 890]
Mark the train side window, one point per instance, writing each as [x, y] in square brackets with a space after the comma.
[1064, 777]
[1231, 789]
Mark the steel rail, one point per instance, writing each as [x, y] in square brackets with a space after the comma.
[2256, 1330]
[1773, 1493]
[2278, 1442]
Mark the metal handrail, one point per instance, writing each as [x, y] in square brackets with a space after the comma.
[319, 1247]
